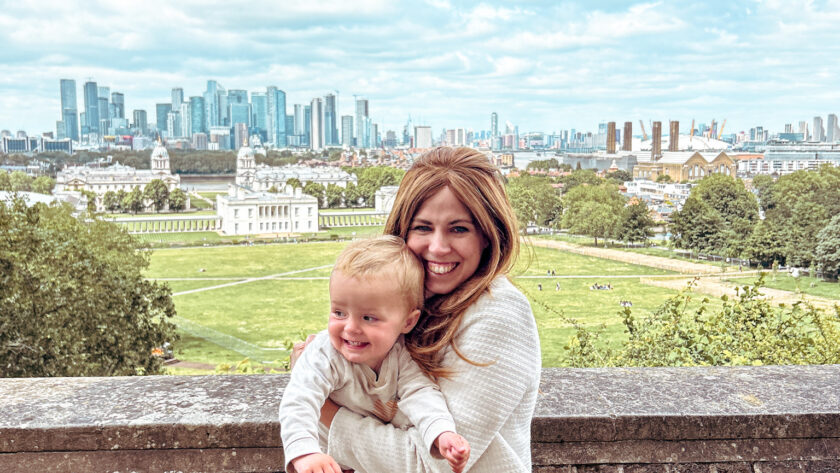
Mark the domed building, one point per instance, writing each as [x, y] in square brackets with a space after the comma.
[246, 210]
[115, 177]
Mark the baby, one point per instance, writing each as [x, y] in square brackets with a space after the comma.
[360, 362]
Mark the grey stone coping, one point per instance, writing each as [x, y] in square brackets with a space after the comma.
[575, 405]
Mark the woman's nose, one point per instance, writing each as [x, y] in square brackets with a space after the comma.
[439, 243]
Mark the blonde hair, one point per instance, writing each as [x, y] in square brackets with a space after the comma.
[385, 256]
[479, 186]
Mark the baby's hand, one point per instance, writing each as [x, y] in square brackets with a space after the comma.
[455, 449]
[316, 463]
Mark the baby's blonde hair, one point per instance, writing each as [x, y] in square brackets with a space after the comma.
[388, 257]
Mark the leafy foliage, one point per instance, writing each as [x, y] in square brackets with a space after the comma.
[593, 210]
[745, 330]
[636, 223]
[177, 200]
[544, 164]
[534, 200]
[133, 201]
[828, 248]
[74, 299]
[157, 192]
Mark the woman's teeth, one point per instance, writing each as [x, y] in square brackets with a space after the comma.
[441, 268]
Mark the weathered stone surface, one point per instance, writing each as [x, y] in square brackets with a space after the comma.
[688, 403]
[260, 460]
[611, 420]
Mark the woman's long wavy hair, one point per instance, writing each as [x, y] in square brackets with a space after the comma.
[479, 185]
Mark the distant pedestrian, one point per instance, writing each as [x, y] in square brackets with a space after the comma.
[539, 287]
[557, 287]
[552, 272]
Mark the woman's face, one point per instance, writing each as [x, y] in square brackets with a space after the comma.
[445, 238]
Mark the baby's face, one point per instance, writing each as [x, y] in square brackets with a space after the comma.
[367, 315]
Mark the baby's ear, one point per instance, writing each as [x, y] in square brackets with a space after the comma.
[411, 320]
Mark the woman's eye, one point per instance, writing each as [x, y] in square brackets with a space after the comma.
[460, 229]
[421, 228]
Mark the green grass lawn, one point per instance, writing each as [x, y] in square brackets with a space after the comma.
[197, 238]
[211, 195]
[199, 204]
[348, 232]
[807, 285]
[267, 313]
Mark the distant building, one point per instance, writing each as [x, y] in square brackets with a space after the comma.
[384, 198]
[69, 110]
[140, 121]
[247, 211]
[779, 159]
[116, 177]
[422, 137]
[316, 140]
[347, 131]
[684, 166]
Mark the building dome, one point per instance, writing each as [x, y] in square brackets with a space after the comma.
[160, 151]
[245, 152]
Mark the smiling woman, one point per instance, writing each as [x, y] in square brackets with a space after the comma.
[477, 335]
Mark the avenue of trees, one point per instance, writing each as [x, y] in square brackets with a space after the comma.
[74, 300]
[361, 194]
[721, 216]
[587, 205]
[133, 201]
[19, 181]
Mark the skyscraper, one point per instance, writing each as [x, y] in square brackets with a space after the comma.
[330, 129]
[276, 118]
[347, 130]
[259, 111]
[91, 124]
[362, 112]
[177, 98]
[161, 115]
[832, 130]
[69, 109]
[494, 124]
[307, 125]
[239, 108]
[118, 104]
[197, 118]
[211, 104]
[316, 140]
[819, 131]
[140, 121]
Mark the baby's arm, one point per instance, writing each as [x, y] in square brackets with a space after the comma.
[316, 463]
[455, 449]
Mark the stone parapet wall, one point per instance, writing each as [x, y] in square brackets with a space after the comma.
[743, 419]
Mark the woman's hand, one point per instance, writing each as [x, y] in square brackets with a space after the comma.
[297, 350]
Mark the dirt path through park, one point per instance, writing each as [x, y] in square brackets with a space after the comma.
[709, 276]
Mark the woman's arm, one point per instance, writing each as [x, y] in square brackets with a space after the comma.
[498, 329]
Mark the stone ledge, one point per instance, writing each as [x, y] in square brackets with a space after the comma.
[767, 418]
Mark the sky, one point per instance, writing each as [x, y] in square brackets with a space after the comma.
[541, 65]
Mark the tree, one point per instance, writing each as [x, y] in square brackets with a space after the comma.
[663, 178]
[177, 200]
[43, 185]
[334, 195]
[352, 195]
[133, 201]
[767, 244]
[19, 181]
[91, 200]
[316, 190]
[543, 164]
[110, 201]
[593, 210]
[580, 177]
[635, 224]
[158, 193]
[273, 190]
[534, 201]
[75, 301]
[763, 185]
[295, 183]
[698, 227]
[619, 177]
[5, 184]
[827, 253]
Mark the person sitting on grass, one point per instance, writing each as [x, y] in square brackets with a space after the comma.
[360, 361]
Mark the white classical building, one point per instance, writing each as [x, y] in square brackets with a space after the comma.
[115, 177]
[245, 210]
[266, 177]
[384, 198]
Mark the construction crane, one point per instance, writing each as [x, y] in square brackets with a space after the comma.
[720, 132]
[644, 133]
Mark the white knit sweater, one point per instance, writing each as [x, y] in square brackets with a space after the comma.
[492, 405]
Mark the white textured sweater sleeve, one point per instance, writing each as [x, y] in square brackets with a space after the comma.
[300, 409]
[500, 329]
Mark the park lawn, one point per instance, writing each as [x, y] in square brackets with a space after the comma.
[211, 195]
[191, 348]
[348, 232]
[180, 286]
[811, 286]
[349, 210]
[590, 308]
[200, 204]
[536, 261]
[265, 313]
[242, 261]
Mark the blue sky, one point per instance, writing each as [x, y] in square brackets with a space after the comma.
[541, 65]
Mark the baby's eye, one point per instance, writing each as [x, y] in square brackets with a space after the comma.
[338, 314]
[369, 318]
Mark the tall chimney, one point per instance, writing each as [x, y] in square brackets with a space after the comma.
[628, 137]
[674, 141]
[656, 145]
[611, 138]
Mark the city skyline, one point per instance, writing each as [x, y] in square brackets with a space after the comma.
[539, 66]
